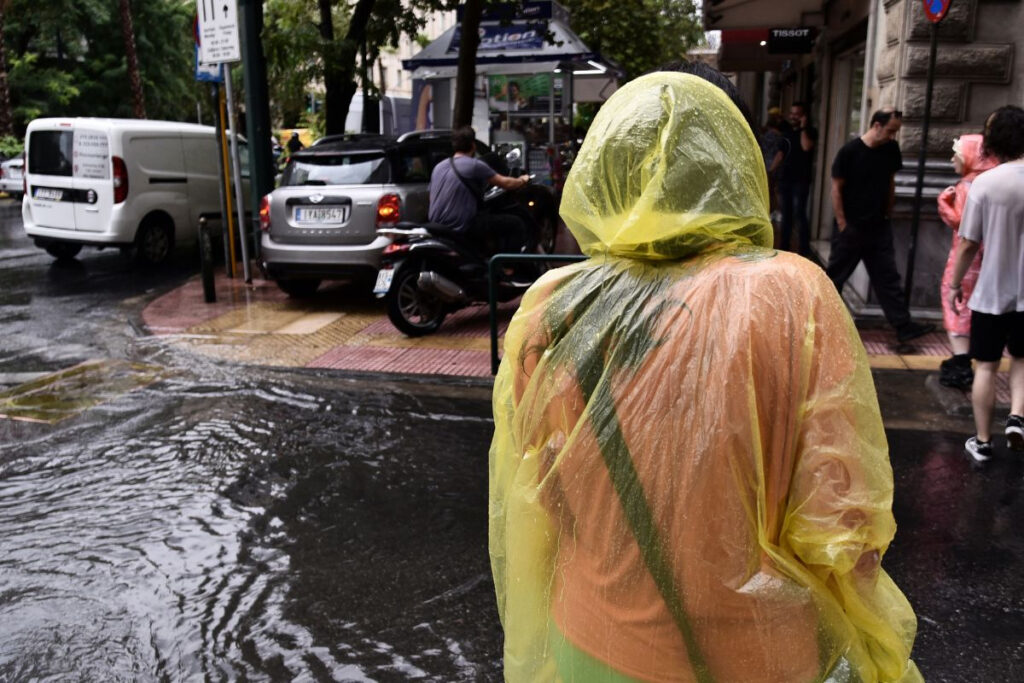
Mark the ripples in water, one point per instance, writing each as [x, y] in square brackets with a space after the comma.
[206, 530]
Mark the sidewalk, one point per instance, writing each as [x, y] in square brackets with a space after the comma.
[345, 329]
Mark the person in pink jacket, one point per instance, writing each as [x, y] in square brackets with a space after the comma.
[968, 160]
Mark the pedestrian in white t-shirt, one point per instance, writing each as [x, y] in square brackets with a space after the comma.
[994, 216]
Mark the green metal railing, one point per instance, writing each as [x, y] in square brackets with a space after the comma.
[492, 288]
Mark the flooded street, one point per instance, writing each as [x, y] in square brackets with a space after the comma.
[226, 523]
[204, 520]
[236, 529]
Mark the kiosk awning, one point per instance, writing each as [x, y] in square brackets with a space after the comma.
[518, 47]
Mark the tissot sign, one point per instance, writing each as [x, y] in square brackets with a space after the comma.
[936, 9]
[788, 41]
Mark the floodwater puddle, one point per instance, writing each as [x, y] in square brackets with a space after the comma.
[69, 392]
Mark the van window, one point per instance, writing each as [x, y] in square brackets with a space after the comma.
[49, 152]
[344, 168]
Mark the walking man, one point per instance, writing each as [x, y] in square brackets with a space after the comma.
[862, 196]
[994, 216]
[795, 178]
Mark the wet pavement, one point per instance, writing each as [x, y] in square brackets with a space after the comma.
[228, 522]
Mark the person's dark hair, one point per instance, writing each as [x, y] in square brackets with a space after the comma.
[463, 139]
[714, 77]
[883, 116]
[804, 107]
[1004, 134]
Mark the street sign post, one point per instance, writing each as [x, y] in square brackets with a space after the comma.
[217, 35]
[936, 11]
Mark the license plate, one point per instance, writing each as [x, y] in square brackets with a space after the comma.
[383, 283]
[317, 215]
[49, 193]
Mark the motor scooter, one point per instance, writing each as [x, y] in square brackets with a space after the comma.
[429, 270]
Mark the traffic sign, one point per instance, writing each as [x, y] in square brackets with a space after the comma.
[218, 31]
[208, 73]
[936, 9]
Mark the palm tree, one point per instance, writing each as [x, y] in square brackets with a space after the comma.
[6, 122]
[134, 78]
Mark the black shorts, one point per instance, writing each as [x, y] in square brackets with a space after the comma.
[990, 334]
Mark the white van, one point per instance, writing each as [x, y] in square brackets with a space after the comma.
[120, 182]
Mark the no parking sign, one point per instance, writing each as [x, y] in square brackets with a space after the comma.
[936, 9]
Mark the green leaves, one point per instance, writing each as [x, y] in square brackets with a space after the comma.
[639, 35]
[66, 58]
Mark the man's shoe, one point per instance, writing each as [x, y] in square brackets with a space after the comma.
[1015, 432]
[956, 376]
[978, 451]
[913, 331]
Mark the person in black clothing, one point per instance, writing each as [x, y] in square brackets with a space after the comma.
[294, 143]
[795, 176]
[863, 189]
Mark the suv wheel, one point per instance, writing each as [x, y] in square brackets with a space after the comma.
[410, 309]
[63, 251]
[154, 240]
[298, 288]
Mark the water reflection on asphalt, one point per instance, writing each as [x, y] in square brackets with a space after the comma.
[256, 528]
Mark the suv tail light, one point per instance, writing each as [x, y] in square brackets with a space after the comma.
[389, 209]
[120, 180]
[265, 213]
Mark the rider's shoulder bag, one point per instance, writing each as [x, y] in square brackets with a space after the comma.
[472, 190]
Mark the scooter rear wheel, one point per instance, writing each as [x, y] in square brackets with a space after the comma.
[413, 311]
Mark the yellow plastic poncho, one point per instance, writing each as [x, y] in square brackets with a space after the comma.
[689, 480]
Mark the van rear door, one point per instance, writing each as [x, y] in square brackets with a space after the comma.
[50, 183]
[93, 186]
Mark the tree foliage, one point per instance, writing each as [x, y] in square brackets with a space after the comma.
[67, 58]
[639, 35]
[304, 45]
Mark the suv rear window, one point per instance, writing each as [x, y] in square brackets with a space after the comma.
[49, 152]
[355, 168]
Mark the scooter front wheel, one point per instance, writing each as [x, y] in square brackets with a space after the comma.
[410, 309]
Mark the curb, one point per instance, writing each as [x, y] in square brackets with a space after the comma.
[953, 401]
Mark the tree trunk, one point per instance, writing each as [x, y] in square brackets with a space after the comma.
[6, 120]
[465, 77]
[134, 78]
[340, 64]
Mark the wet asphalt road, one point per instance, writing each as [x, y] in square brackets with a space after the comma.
[231, 523]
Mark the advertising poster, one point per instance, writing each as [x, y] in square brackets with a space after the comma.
[518, 93]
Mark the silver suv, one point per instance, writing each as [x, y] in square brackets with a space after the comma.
[321, 222]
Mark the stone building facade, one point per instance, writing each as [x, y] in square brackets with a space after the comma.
[874, 53]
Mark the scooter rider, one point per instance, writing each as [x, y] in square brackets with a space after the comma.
[456, 190]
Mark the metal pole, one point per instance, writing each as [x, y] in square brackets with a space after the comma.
[919, 186]
[243, 234]
[224, 186]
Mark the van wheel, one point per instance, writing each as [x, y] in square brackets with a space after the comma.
[62, 251]
[154, 241]
[298, 288]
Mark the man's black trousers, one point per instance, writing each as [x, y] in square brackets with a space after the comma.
[871, 243]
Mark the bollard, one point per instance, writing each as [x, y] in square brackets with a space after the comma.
[206, 261]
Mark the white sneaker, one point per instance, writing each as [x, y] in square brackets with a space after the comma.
[978, 451]
[1015, 432]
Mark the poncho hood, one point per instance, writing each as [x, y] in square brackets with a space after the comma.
[968, 147]
[669, 168]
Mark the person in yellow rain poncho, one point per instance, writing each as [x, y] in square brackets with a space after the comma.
[689, 479]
